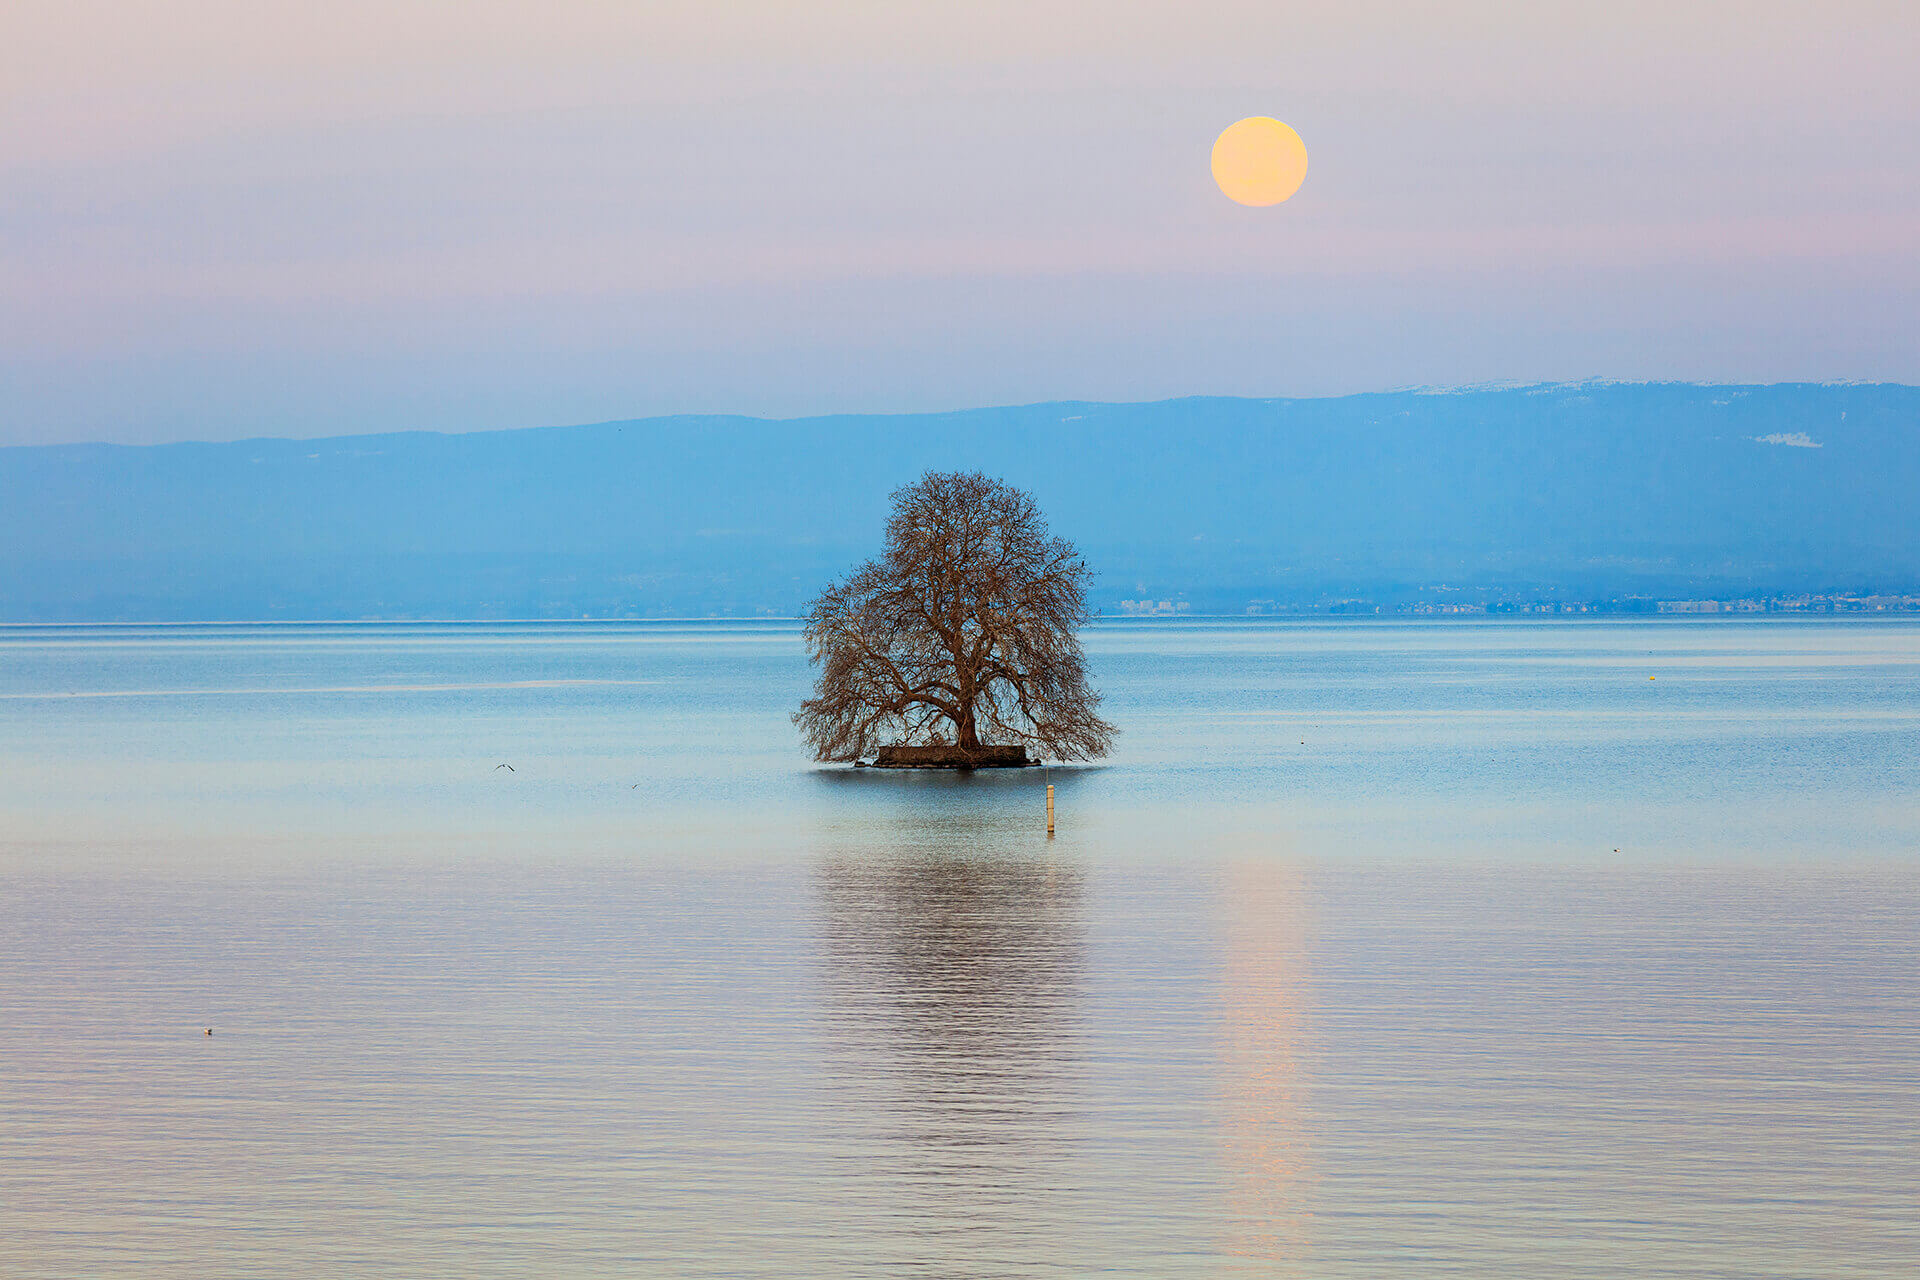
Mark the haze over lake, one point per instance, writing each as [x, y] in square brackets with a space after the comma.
[1375, 948]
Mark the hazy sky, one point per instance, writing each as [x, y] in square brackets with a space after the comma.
[231, 219]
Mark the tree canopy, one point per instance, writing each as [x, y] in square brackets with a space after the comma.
[964, 632]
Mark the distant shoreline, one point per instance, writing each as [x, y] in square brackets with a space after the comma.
[1805, 604]
[1820, 607]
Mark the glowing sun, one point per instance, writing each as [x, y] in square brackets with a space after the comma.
[1259, 161]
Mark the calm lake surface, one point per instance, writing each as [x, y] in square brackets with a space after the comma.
[1377, 949]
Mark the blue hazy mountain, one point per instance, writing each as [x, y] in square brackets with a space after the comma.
[1570, 492]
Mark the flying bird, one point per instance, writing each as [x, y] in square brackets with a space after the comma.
[509, 768]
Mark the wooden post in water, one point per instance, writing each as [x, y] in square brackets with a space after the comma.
[1049, 811]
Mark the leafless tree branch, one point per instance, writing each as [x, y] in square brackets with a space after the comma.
[965, 630]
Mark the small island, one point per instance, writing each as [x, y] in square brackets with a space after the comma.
[959, 647]
[941, 755]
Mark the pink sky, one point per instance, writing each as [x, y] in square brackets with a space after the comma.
[238, 219]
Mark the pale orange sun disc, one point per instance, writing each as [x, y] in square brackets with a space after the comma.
[1259, 161]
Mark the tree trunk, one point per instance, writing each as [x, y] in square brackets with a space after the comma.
[966, 731]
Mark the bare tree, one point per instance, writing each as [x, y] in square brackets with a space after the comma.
[964, 632]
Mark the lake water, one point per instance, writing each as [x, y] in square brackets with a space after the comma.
[1535, 950]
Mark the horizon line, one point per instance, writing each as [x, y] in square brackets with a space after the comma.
[1495, 387]
[1298, 615]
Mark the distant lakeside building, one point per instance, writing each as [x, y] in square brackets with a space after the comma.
[1831, 603]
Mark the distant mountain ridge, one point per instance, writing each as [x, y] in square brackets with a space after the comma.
[1580, 491]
